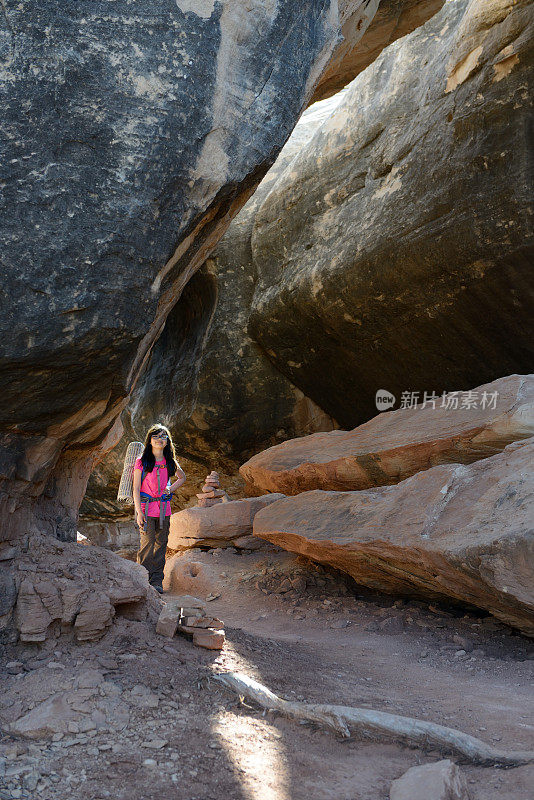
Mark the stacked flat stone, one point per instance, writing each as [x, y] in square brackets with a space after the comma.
[212, 493]
[187, 615]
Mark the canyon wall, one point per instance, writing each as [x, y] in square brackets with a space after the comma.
[130, 138]
[395, 251]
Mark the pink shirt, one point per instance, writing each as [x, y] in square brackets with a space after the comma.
[150, 486]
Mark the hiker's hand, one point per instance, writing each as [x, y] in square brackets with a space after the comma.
[141, 521]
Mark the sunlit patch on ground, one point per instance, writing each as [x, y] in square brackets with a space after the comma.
[264, 770]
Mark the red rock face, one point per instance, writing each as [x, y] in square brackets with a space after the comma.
[397, 444]
[454, 531]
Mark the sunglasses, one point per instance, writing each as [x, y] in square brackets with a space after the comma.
[159, 436]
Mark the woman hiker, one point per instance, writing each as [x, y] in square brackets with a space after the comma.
[152, 494]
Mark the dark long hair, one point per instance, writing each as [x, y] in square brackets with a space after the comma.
[149, 460]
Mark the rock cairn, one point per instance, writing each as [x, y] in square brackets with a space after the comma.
[187, 615]
[212, 493]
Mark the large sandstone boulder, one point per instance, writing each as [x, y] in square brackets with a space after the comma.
[217, 525]
[457, 427]
[395, 252]
[456, 532]
[130, 138]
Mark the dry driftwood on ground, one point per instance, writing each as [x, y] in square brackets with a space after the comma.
[367, 722]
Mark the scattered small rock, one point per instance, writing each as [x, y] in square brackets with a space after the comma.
[168, 621]
[142, 697]
[155, 744]
[439, 781]
[89, 679]
[15, 667]
[108, 663]
[208, 638]
[392, 625]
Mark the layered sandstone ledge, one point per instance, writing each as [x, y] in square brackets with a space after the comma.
[455, 532]
[460, 427]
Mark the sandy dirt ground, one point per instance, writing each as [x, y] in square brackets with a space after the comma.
[167, 730]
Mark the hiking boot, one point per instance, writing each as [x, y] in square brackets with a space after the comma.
[158, 587]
